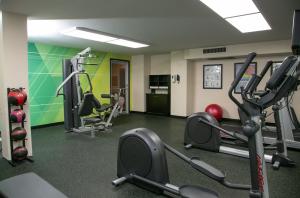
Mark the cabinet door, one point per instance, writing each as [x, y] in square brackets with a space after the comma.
[158, 104]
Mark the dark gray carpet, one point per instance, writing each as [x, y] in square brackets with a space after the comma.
[83, 167]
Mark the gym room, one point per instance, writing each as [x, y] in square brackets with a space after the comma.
[136, 98]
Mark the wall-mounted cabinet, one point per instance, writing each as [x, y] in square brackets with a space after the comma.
[159, 81]
[158, 101]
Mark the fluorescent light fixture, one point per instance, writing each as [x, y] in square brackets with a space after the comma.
[128, 43]
[230, 8]
[249, 23]
[87, 34]
[42, 28]
[94, 35]
[242, 14]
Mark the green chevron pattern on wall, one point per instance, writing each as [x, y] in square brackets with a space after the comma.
[45, 75]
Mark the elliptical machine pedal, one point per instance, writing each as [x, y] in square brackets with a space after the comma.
[279, 159]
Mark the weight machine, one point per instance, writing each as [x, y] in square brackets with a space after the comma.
[78, 104]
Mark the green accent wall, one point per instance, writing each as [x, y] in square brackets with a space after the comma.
[45, 75]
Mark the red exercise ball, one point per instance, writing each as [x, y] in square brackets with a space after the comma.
[24, 95]
[19, 153]
[17, 97]
[215, 110]
[17, 115]
[19, 133]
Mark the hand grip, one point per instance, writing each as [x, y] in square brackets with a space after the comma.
[242, 71]
[234, 84]
[266, 68]
[254, 84]
[207, 169]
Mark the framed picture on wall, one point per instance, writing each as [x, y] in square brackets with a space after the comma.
[246, 77]
[212, 76]
[275, 66]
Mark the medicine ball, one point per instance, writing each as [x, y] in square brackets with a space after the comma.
[24, 95]
[17, 97]
[18, 133]
[17, 115]
[215, 110]
[19, 153]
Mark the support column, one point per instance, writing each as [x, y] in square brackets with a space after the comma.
[140, 81]
[13, 72]
[179, 91]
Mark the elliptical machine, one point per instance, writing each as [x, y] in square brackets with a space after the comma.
[142, 160]
[203, 131]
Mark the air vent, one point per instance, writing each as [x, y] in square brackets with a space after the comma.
[214, 50]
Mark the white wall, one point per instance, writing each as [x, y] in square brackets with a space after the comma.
[273, 50]
[179, 91]
[160, 64]
[203, 97]
[190, 88]
[261, 48]
[188, 96]
[142, 67]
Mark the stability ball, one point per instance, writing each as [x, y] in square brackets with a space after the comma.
[215, 110]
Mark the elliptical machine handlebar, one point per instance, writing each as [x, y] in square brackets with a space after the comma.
[266, 68]
[254, 82]
[236, 81]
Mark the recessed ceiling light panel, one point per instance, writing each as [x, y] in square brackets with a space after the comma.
[249, 23]
[230, 8]
[90, 35]
[42, 28]
[94, 35]
[128, 43]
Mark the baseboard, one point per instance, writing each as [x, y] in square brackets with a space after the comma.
[176, 116]
[139, 112]
[47, 125]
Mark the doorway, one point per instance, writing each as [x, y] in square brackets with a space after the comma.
[119, 82]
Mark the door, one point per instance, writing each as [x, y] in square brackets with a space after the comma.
[119, 82]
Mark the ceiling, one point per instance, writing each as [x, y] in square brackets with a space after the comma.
[166, 25]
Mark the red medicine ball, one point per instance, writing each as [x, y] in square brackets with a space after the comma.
[17, 97]
[19, 153]
[215, 110]
[24, 95]
[17, 115]
[19, 133]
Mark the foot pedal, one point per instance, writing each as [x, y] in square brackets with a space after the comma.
[276, 165]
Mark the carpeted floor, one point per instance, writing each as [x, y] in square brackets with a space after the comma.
[82, 167]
